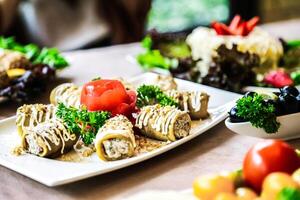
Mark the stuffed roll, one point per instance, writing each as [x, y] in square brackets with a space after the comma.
[166, 83]
[32, 115]
[115, 139]
[163, 123]
[12, 59]
[48, 139]
[67, 93]
[195, 102]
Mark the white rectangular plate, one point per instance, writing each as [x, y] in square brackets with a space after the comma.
[53, 172]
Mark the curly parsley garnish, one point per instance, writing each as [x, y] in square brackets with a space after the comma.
[82, 122]
[150, 94]
[258, 112]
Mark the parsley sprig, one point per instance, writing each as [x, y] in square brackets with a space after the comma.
[82, 122]
[258, 112]
[151, 94]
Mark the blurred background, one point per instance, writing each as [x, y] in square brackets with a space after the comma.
[78, 24]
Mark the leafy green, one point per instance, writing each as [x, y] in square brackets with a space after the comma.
[49, 56]
[82, 122]
[153, 58]
[288, 194]
[175, 49]
[296, 77]
[260, 114]
[293, 44]
[147, 42]
[150, 94]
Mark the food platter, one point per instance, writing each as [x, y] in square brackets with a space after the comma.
[52, 172]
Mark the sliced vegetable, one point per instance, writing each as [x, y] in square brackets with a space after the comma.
[108, 95]
[237, 26]
[266, 157]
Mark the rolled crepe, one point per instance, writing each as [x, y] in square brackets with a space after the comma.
[67, 93]
[166, 83]
[163, 123]
[32, 115]
[195, 102]
[12, 59]
[115, 139]
[48, 139]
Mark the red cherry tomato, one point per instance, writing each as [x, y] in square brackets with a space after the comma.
[267, 157]
[108, 95]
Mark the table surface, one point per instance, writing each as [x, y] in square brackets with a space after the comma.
[217, 149]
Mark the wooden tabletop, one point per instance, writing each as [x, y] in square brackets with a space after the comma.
[216, 150]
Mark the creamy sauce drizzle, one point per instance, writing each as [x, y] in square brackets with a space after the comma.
[163, 117]
[32, 115]
[68, 94]
[53, 132]
[184, 98]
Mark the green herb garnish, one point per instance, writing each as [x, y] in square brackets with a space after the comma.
[82, 122]
[96, 79]
[48, 56]
[153, 58]
[150, 94]
[259, 113]
[288, 194]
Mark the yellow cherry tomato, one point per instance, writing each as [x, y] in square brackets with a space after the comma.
[226, 196]
[235, 176]
[207, 187]
[296, 176]
[274, 183]
[245, 194]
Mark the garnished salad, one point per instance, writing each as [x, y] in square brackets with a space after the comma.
[271, 171]
[229, 57]
[26, 70]
[261, 108]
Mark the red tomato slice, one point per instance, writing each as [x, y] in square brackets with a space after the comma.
[252, 23]
[108, 95]
[235, 22]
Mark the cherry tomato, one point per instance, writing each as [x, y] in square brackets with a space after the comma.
[296, 176]
[274, 183]
[245, 193]
[267, 157]
[226, 196]
[207, 187]
[108, 95]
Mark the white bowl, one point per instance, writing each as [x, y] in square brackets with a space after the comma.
[289, 128]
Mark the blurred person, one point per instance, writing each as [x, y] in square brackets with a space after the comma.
[74, 24]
